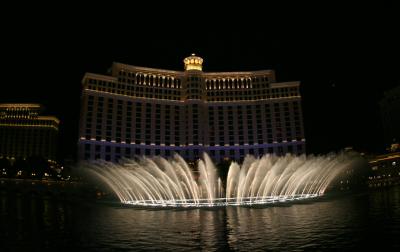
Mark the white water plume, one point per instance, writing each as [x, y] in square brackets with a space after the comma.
[160, 182]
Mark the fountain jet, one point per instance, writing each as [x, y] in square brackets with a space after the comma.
[160, 182]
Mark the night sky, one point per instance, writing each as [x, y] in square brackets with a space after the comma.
[345, 56]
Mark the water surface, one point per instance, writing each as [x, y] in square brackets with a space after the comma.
[347, 222]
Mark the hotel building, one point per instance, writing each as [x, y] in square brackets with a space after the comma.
[146, 111]
[25, 133]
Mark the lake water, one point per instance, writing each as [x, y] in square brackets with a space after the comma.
[368, 220]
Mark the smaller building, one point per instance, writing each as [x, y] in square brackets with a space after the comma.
[384, 170]
[25, 133]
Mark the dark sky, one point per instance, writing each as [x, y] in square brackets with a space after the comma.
[345, 56]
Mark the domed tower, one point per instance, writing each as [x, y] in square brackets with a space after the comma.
[193, 62]
[194, 96]
[194, 81]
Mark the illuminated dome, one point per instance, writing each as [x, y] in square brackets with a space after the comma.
[193, 62]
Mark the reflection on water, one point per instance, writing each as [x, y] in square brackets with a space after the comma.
[35, 223]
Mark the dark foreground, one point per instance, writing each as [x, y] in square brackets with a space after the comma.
[43, 222]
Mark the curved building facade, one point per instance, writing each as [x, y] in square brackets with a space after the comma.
[147, 111]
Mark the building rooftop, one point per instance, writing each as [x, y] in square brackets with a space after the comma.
[24, 111]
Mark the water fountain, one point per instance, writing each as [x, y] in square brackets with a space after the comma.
[160, 182]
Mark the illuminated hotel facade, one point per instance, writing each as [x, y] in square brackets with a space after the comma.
[146, 111]
[25, 133]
